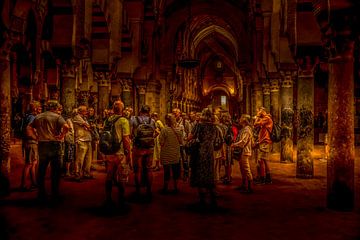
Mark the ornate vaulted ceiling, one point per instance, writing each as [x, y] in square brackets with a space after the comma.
[211, 31]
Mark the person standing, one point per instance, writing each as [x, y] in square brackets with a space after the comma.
[118, 164]
[83, 144]
[170, 140]
[143, 128]
[30, 146]
[50, 128]
[94, 129]
[244, 142]
[69, 158]
[158, 127]
[264, 122]
[202, 161]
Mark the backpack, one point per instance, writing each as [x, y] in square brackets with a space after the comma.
[20, 124]
[275, 134]
[229, 135]
[144, 134]
[219, 140]
[109, 142]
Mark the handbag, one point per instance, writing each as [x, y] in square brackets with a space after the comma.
[192, 145]
[237, 152]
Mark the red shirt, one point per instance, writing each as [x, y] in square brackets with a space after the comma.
[266, 125]
[235, 131]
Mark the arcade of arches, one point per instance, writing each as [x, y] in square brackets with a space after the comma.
[297, 58]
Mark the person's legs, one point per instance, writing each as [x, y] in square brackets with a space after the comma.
[268, 179]
[137, 161]
[247, 173]
[243, 173]
[33, 173]
[110, 176]
[43, 164]
[34, 164]
[148, 173]
[27, 167]
[55, 170]
[81, 150]
[24, 176]
[87, 160]
[176, 171]
[167, 168]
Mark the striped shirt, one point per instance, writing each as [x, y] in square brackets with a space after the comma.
[170, 145]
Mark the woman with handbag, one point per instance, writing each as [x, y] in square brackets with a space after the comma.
[170, 141]
[242, 147]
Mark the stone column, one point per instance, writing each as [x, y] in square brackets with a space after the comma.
[287, 114]
[275, 106]
[336, 25]
[340, 170]
[305, 141]
[266, 95]
[257, 97]
[141, 95]
[104, 94]
[127, 92]
[68, 86]
[5, 112]
[153, 95]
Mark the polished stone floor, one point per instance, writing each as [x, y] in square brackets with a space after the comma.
[289, 208]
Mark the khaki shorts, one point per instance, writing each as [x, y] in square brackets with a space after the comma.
[264, 149]
[31, 153]
[117, 169]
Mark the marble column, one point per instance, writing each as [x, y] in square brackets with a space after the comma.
[275, 106]
[104, 94]
[153, 95]
[287, 114]
[5, 130]
[340, 170]
[305, 129]
[127, 92]
[266, 96]
[257, 97]
[68, 86]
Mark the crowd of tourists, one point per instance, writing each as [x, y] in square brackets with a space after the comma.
[200, 148]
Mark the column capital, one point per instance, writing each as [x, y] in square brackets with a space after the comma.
[307, 65]
[287, 81]
[266, 88]
[338, 23]
[141, 89]
[274, 85]
[126, 84]
[68, 69]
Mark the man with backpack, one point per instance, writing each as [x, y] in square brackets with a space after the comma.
[116, 148]
[143, 132]
[264, 122]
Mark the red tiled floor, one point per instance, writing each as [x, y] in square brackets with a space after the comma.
[290, 208]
